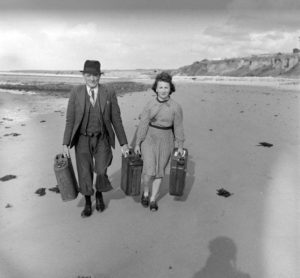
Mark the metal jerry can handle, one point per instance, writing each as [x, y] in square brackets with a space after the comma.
[60, 159]
[183, 155]
[132, 155]
[64, 154]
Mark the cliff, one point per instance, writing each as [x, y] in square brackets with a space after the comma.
[284, 65]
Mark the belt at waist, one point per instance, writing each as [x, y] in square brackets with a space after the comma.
[161, 127]
[90, 134]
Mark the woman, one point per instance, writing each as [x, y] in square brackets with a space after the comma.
[160, 125]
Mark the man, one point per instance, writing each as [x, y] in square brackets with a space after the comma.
[93, 118]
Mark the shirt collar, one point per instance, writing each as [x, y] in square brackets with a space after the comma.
[89, 90]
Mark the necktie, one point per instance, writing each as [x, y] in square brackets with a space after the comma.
[92, 97]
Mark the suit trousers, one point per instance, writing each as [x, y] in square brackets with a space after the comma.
[93, 154]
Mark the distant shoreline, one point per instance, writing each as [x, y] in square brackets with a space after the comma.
[60, 85]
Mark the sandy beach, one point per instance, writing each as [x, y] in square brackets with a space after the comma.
[253, 233]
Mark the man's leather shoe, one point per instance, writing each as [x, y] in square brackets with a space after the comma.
[145, 201]
[100, 206]
[87, 211]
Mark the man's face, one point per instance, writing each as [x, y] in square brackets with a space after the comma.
[91, 80]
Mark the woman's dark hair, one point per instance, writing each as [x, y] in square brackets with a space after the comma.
[164, 76]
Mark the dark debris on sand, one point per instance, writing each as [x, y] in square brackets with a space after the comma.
[54, 189]
[12, 134]
[41, 191]
[8, 177]
[224, 193]
[265, 144]
[8, 206]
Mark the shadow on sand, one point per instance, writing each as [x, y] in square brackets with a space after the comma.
[221, 262]
[118, 194]
[164, 189]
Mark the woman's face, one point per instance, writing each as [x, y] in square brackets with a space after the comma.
[163, 90]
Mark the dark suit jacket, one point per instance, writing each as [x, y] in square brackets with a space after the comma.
[110, 110]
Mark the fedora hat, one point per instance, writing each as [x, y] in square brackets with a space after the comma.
[91, 66]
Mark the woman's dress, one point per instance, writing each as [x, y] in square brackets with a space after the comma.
[157, 144]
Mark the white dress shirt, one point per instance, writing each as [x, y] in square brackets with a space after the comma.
[93, 101]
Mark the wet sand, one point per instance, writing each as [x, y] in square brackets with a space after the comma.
[253, 233]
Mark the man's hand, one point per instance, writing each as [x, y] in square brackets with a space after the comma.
[66, 149]
[125, 150]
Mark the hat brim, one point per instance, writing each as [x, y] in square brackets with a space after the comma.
[92, 72]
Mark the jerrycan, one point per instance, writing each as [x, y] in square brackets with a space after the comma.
[65, 176]
[132, 166]
[178, 170]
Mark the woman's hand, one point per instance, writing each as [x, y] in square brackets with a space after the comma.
[137, 149]
[180, 151]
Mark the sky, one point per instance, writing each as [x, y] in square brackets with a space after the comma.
[142, 34]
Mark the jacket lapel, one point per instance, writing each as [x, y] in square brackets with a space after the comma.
[103, 97]
[81, 98]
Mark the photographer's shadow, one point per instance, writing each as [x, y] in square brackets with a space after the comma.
[221, 261]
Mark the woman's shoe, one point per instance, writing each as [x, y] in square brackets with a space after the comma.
[153, 206]
[145, 201]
